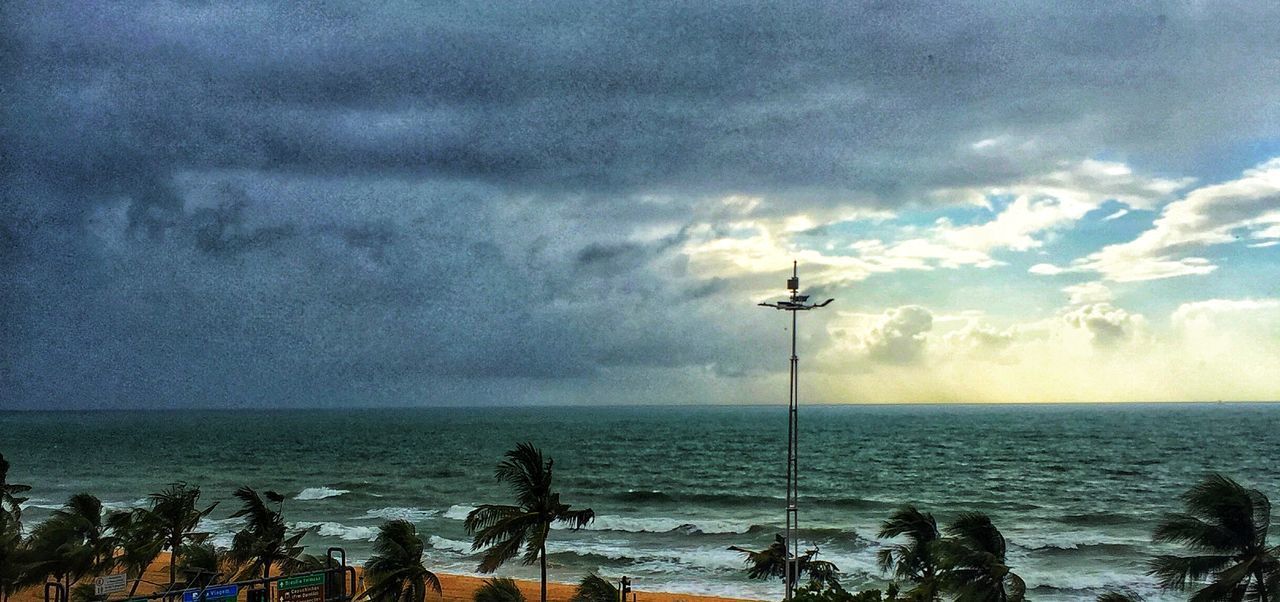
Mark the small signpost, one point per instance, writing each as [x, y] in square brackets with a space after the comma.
[221, 593]
[303, 588]
[108, 584]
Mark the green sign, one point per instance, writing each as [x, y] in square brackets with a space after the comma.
[309, 580]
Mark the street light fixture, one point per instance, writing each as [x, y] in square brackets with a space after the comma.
[796, 303]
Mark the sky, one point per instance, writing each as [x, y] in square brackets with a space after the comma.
[406, 203]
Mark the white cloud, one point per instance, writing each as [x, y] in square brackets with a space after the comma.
[900, 336]
[1107, 326]
[1088, 292]
[1208, 216]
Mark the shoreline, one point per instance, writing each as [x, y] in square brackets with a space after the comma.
[455, 588]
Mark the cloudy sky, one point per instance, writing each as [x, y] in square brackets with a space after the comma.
[242, 205]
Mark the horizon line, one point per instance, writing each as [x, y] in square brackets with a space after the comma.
[638, 405]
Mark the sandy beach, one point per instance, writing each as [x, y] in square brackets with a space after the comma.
[455, 588]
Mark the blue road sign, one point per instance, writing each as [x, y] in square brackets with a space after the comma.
[220, 592]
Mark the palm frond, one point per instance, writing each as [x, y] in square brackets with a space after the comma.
[500, 589]
[594, 588]
[1180, 572]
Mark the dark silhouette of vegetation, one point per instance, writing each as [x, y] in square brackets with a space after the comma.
[770, 563]
[10, 532]
[1114, 596]
[913, 561]
[202, 565]
[71, 544]
[594, 588]
[1225, 528]
[173, 517]
[263, 541]
[396, 572]
[972, 559]
[500, 589]
[137, 544]
[503, 531]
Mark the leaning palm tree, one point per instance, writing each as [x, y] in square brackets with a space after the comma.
[972, 559]
[396, 572]
[502, 531]
[502, 589]
[174, 517]
[913, 561]
[1225, 527]
[771, 563]
[71, 544]
[594, 588]
[136, 543]
[263, 541]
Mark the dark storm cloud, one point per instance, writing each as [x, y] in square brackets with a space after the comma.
[210, 204]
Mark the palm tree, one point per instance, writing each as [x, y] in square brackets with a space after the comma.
[203, 564]
[913, 561]
[11, 560]
[264, 540]
[137, 545]
[1225, 527]
[10, 503]
[396, 572]
[173, 517]
[771, 563]
[973, 562]
[70, 544]
[502, 589]
[593, 588]
[503, 530]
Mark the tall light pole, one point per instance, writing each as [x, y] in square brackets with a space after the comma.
[796, 303]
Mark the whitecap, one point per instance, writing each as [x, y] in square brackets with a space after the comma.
[319, 493]
[341, 531]
[458, 511]
[638, 524]
[399, 513]
[452, 545]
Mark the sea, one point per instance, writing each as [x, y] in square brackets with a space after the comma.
[1076, 489]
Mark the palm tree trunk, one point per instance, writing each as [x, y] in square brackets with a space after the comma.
[173, 559]
[134, 588]
[1262, 584]
[542, 552]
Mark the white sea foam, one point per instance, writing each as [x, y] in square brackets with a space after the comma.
[319, 493]
[452, 545]
[339, 530]
[401, 513]
[459, 511]
[221, 530]
[643, 524]
[1070, 540]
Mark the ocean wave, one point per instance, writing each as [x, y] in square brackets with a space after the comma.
[652, 496]
[1090, 519]
[221, 530]
[339, 530]
[458, 511]
[452, 545]
[399, 513]
[1076, 540]
[631, 524]
[319, 493]
[1077, 580]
